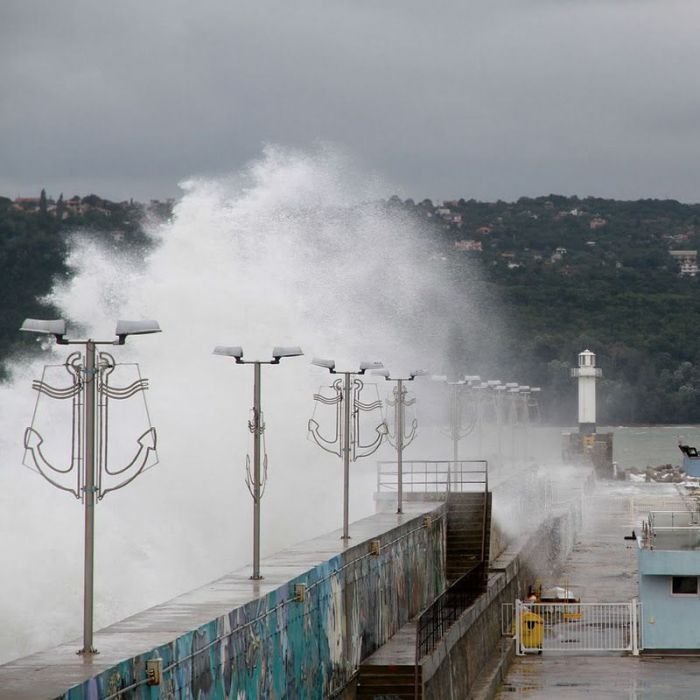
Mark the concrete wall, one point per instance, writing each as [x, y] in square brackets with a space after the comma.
[455, 668]
[668, 621]
[595, 449]
[669, 562]
[275, 647]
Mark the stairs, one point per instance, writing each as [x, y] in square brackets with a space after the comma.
[389, 673]
[388, 682]
[468, 533]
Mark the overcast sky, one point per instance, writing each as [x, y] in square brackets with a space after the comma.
[447, 98]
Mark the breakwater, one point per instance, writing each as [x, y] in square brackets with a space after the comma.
[474, 653]
[300, 632]
[322, 608]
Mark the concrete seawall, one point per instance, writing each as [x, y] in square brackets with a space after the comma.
[303, 630]
[255, 639]
[473, 655]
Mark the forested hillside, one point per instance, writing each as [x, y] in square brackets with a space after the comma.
[589, 273]
[564, 274]
[35, 235]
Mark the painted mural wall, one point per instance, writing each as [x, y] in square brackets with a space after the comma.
[281, 647]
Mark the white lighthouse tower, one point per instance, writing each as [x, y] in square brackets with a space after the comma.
[587, 374]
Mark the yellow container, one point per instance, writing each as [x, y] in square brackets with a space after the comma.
[531, 631]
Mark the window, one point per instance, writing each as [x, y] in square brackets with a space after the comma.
[684, 585]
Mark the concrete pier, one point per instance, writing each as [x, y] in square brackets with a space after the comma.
[238, 635]
[324, 608]
[603, 568]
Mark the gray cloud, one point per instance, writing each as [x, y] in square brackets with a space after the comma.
[483, 99]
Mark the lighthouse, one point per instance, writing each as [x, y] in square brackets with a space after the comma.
[587, 374]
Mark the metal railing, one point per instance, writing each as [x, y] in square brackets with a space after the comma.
[671, 529]
[444, 611]
[446, 477]
[673, 518]
[434, 476]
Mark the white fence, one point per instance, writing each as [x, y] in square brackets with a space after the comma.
[576, 627]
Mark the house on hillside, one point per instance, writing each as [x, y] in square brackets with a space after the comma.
[558, 254]
[687, 262]
[74, 205]
[677, 237]
[26, 203]
[468, 245]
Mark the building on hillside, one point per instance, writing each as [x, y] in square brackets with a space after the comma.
[597, 222]
[74, 205]
[468, 245]
[687, 262]
[27, 204]
[682, 237]
[558, 254]
[669, 575]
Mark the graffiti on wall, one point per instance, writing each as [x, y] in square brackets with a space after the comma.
[294, 642]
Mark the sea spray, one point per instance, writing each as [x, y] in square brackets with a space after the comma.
[296, 249]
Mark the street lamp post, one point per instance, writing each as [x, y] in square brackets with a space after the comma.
[89, 464]
[256, 482]
[524, 400]
[459, 425]
[534, 404]
[346, 441]
[513, 389]
[401, 439]
[491, 387]
[499, 410]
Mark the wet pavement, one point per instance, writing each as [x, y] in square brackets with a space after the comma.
[603, 568]
[602, 678]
